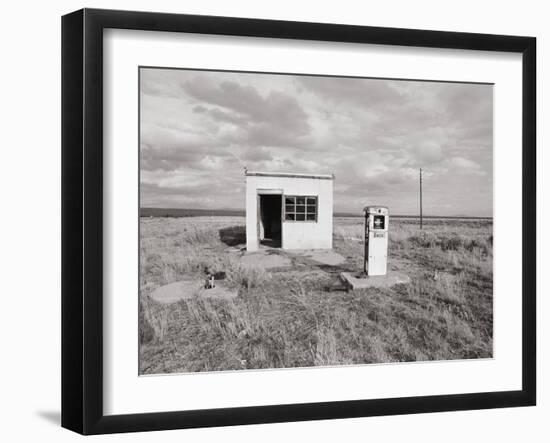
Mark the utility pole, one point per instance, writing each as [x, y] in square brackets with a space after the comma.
[420, 198]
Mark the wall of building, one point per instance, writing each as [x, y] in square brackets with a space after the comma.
[295, 235]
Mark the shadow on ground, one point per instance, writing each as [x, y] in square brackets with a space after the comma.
[233, 235]
[54, 417]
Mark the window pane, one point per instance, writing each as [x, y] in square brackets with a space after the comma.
[300, 208]
[289, 217]
[311, 208]
[300, 217]
[310, 217]
[300, 200]
[311, 200]
[290, 200]
[289, 208]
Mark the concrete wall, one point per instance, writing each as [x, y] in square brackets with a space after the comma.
[295, 235]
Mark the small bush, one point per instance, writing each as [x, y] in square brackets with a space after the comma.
[453, 243]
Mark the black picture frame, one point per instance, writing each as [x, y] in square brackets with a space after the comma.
[82, 219]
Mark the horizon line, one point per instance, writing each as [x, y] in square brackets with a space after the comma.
[345, 212]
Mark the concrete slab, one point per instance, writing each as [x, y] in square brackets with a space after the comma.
[186, 289]
[322, 256]
[359, 281]
[264, 259]
[235, 249]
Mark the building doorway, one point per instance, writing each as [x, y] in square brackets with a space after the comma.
[269, 220]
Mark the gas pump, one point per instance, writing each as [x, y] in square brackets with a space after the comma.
[376, 240]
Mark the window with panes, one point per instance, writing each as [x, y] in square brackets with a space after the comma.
[301, 208]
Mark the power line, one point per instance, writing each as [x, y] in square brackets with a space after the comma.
[420, 198]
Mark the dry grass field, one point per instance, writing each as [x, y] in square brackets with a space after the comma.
[302, 316]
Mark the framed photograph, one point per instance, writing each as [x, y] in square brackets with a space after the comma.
[269, 221]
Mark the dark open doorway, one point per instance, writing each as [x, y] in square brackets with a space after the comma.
[270, 220]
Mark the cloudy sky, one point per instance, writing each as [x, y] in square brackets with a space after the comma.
[200, 129]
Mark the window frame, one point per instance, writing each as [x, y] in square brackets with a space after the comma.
[295, 212]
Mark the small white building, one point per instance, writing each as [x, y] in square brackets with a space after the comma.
[289, 211]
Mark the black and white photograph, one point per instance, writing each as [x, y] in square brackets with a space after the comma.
[255, 222]
[294, 221]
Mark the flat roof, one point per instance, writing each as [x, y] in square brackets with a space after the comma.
[374, 208]
[290, 175]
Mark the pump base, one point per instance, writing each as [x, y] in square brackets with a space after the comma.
[359, 280]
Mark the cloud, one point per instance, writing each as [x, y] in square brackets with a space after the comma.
[428, 152]
[273, 119]
[199, 129]
[465, 165]
[169, 150]
[351, 90]
[257, 154]
[228, 94]
[219, 115]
